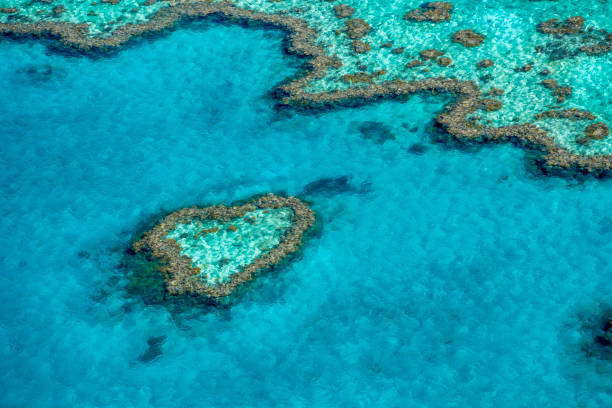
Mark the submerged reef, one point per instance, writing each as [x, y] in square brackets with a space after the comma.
[595, 327]
[355, 53]
[605, 336]
[434, 12]
[210, 251]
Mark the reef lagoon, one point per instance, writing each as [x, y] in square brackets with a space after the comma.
[436, 269]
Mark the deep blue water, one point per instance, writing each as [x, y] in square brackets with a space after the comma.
[451, 278]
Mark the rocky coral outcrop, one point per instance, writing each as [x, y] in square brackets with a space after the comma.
[434, 12]
[357, 28]
[430, 54]
[596, 131]
[58, 10]
[495, 92]
[444, 61]
[490, 105]
[360, 47]
[358, 78]
[468, 38]
[570, 25]
[571, 114]
[343, 11]
[414, 63]
[560, 92]
[485, 63]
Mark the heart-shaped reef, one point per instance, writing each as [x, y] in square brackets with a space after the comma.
[211, 251]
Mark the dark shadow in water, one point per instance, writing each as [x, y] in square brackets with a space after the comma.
[331, 186]
[375, 131]
[154, 349]
[596, 329]
[417, 149]
[38, 74]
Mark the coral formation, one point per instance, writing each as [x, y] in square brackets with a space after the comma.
[430, 54]
[357, 28]
[560, 92]
[596, 131]
[571, 25]
[194, 259]
[343, 11]
[360, 47]
[485, 63]
[571, 114]
[434, 12]
[468, 38]
[375, 131]
[444, 61]
[303, 40]
[605, 338]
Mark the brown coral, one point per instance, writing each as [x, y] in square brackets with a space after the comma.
[561, 92]
[571, 25]
[571, 114]
[358, 78]
[360, 47]
[468, 38]
[343, 11]
[414, 63]
[444, 61]
[491, 105]
[495, 92]
[434, 12]
[430, 54]
[58, 10]
[485, 63]
[357, 28]
[596, 131]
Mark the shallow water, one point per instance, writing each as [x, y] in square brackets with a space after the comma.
[222, 250]
[457, 277]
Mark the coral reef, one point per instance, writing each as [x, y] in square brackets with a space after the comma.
[434, 12]
[343, 11]
[560, 92]
[303, 41]
[605, 338]
[571, 114]
[375, 131]
[485, 63]
[331, 186]
[596, 131]
[571, 25]
[184, 258]
[357, 28]
[468, 38]
[360, 47]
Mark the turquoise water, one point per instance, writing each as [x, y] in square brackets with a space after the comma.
[442, 276]
[512, 41]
